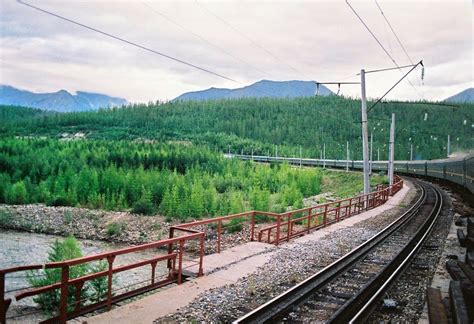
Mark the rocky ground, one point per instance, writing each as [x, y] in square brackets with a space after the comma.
[119, 227]
[289, 266]
[83, 223]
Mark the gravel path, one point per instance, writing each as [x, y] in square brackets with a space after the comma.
[291, 264]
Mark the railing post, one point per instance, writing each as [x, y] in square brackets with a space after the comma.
[309, 219]
[78, 291]
[277, 238]
[153, 268]
[64, 294]
[110, 261]
[170, 246]
[201, 255]
[325, 217]
[4, 304]
[288, 227]
[252, 227]
[180, 262]
[219, 230]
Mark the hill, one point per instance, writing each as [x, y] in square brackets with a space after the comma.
[61, 100]
[462, 97]
[260, 89]
[258, 125]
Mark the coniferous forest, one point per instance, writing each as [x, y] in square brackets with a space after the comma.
[175, 180]
[167, 157]
[260, 125]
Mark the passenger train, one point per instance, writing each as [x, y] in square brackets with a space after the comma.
[458, 170]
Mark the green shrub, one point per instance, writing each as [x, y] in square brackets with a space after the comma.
[67, 217]
[58, 200]
[59, 251]
[6, 218]
[115, 228]
[143, 207]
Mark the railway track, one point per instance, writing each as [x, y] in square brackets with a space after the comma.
[348, 289]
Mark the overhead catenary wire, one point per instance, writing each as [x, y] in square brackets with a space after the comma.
[202, 38]
[386, 93]
[381, 45]
[261, 47]
[388, 69]
[394, 33]
[128, 42]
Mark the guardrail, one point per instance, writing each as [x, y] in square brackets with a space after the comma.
[262, 226]
[293, 223]
[80, 305]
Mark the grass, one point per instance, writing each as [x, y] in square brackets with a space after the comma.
[347, 184]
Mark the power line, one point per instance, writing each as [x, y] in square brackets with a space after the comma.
[252, 41]
[201, 38]
[128, 42]
[388, 69]
[394, 33]
[386, 93]
[380, 44]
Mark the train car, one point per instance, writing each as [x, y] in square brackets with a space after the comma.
[459, 170]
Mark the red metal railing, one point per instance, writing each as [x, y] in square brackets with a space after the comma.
[294, 223]
[214, 227]
[174, 275]
[266, 227]
[301, 221]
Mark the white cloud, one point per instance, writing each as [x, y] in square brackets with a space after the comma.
[322, 40]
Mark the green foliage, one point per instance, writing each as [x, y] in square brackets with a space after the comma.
[180, 182]
[92, 291]
[6, 218]
[68, 217]
[98, 286]
[144, 205]
[59, 251]
[115, 228]
[345, 185]
[258, 125]
[17, 194]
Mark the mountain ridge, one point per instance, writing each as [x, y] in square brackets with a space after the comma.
[464, 96]
[262, 88]
[61, 100]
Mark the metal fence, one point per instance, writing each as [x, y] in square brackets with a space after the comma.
[196, 239]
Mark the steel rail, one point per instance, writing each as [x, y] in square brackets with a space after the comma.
[358, 310]
[273, 309]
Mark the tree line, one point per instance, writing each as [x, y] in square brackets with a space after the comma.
[265, 125]
[177, 180]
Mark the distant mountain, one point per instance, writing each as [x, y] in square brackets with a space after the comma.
[59, 101]
[264, 88]
[462, 97]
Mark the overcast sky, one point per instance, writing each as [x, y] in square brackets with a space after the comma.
[247, 41]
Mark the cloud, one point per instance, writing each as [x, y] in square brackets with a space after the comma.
[320, 40]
